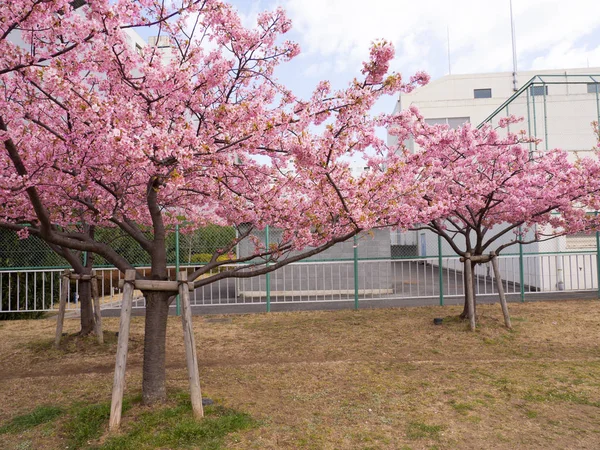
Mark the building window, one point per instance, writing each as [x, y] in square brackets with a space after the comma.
[482, 93]
[538, 90]
[159, 41]
[581, 241]
[76, 4]
[452, 122]
[593, 88]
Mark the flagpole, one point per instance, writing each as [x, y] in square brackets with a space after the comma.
[448, 37]
[514, 47]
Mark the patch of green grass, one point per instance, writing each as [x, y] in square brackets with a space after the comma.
[87, 423]
[419, 430]
[473, 419]
[462, 408]
[555, 395]
[175, 427]
[41, 414]
[531, 414]
[73, 343]
[501, 382]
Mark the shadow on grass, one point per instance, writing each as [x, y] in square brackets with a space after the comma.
[40, 415]
[75, 343]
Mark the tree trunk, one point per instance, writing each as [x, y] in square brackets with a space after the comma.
[154, 375]
[465, 312]
[474, 287]
[470, 292]
[88, 323]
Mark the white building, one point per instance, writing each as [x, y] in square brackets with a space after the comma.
[558, 107]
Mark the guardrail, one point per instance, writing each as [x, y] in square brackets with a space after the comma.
[327, 281]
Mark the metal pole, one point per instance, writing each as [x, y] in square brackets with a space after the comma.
[441, 275]
[597, 86]
[529, 121]
[514, 48]
[545, 118]
[355, 272]
[268, 275]
[449, 64]
[177, 299]
[598, 258]
[521, 269]
[534, 114]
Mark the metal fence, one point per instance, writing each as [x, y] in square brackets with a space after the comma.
[383, 265]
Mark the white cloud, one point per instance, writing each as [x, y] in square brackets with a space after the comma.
[570, 57]
[550, 33]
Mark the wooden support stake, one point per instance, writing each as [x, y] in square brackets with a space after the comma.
[501, 291]
[190, 347]
[469, 290]
[158, 285]
[97, 311]
[74, 276]
[62, 306]
[119, 380]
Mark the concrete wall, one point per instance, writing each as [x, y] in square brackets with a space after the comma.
[330, 272]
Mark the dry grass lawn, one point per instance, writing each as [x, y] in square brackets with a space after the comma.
[370, 379]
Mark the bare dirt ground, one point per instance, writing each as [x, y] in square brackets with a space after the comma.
[382, 378]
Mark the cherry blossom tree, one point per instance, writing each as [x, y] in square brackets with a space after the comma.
[103, 134]
[493, 192]
[34, 32]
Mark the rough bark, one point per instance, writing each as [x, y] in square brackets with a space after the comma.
[465, 312]
[88, 323]
[470, 291]
[154, 373]
[474, 287]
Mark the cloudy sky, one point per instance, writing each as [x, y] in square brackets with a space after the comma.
[334, 36]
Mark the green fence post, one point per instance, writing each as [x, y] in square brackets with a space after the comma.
[534, 116]
[597, 86]
[177, 300]
[355, 272]
[521, 269]
[441, 279]
[545, 118]
[268, 275]
[529, 123]
[598, 258]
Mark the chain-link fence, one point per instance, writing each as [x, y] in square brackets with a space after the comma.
[185, 248]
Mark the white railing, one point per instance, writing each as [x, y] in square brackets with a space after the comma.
[324, 281]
